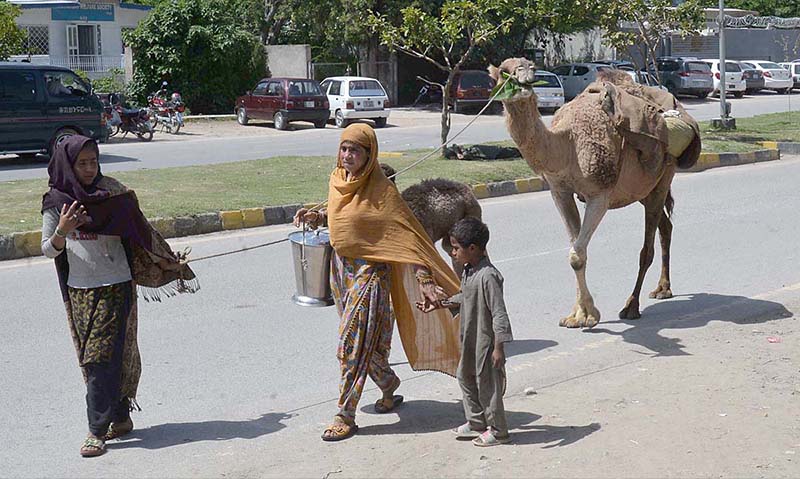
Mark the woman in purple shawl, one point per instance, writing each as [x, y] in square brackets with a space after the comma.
[104, 248]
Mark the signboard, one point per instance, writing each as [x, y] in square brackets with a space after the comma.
[87, 12]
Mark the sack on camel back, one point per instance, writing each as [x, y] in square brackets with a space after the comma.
[680, 133]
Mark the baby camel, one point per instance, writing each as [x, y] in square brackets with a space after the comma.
[609, 147]
[438, 204]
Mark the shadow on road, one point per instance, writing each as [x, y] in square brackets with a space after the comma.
[168, 435]
[699, 310]
[519, 347]
[426, 416]
[553, 436]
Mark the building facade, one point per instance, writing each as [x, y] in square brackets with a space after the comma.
[81, 35]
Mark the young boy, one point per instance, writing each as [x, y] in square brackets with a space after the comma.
[484, 330]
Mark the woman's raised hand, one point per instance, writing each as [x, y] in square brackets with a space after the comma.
[72, 217]
[313, 219]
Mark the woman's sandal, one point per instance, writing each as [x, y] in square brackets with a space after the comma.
[93, 447]
[339, 430]
[381, 406]
[489, 438]
[118, 429]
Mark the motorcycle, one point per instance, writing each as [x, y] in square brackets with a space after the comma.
[127, 120]
[166, 109]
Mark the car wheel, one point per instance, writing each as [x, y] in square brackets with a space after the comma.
[783, 91]
[380, 122]
[738, 94]
[672, 89]
[320, 123]
[26, 157]
[59, 137]
[280, 121]
[241, 116]
[340, 120]
[702, 95]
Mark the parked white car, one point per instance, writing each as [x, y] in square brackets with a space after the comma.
[356, 98]
[794, 71]
[549, 91]
[775, 76]
[646, 79]
[734, 81]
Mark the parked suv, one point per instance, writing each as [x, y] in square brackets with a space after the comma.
[283, 100]
[40, 105]
[734, 82]
[356, 98]
[684, 76]
[577, 76]
[470, 88]
[794, 71]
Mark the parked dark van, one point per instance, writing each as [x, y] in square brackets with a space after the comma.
[40, 105]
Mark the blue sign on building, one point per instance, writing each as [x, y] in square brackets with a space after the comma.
[87, 12]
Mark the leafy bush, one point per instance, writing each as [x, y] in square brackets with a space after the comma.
[198, 47]
[11, 36]
[111, 83]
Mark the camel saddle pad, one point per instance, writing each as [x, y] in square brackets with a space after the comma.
[680, 134]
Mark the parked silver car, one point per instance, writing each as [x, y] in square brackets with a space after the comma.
[549, 91]
[577, 76]
[775, 76]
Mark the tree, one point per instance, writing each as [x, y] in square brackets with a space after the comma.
[646, 22]
[777, 8]
[12, 38]
[199, 47]
[446, 37]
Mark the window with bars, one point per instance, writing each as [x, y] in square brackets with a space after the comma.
[38, 41]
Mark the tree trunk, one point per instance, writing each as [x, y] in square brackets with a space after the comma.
[446, 107]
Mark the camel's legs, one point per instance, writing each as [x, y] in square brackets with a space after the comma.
[584, 313]
[653, 213]
[565, 204]
[663, 290]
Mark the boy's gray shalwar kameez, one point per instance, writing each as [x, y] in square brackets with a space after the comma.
[484, 321]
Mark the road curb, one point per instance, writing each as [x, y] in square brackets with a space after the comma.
[28, 243]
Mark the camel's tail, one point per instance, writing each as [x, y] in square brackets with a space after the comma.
[669, 204]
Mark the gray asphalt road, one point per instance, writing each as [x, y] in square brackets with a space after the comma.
[238, 381]
[136, 155]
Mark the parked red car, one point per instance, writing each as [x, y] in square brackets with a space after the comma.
[470, 88]
[283, 100]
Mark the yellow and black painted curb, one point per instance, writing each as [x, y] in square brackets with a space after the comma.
[26, 244]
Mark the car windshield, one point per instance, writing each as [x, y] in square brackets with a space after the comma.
[697, 67]
[475, 80]
[366, 88]
[546, 81]
[732, 67]
[770, 66]
[303, 88]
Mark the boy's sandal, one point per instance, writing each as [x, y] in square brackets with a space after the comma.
[93, 447]
[339, 430]
[465, 431]
[488, 438]
[118, 429]
[384, 405]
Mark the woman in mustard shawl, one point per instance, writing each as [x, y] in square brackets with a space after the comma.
[381, 252]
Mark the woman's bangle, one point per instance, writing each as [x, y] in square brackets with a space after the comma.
[423, 277]
[60, 233]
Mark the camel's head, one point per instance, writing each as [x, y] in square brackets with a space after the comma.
[519, 71]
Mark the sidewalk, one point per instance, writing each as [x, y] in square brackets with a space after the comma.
[705, 393]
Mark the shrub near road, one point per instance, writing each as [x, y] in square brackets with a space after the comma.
[200, 48]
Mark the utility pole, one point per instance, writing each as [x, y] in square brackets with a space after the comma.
[725, 121]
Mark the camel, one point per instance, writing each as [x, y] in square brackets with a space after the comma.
[439, 204]
[609, 147]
